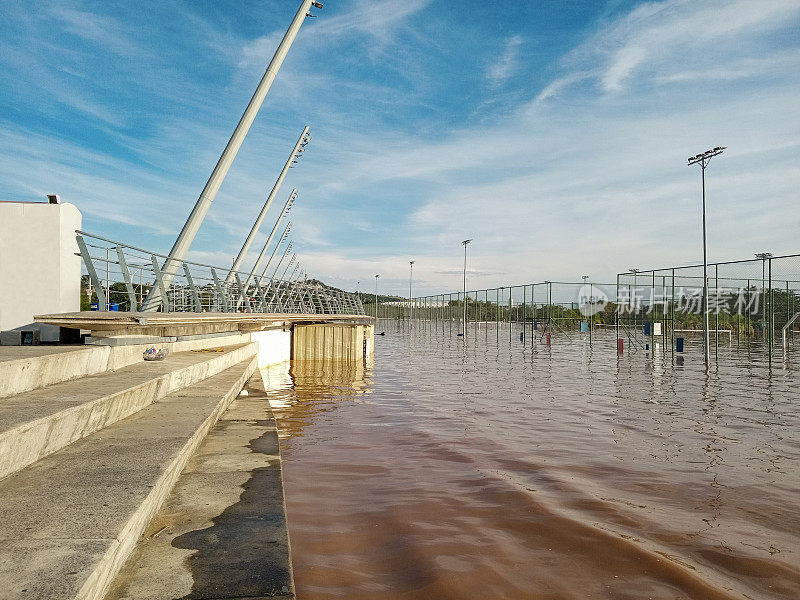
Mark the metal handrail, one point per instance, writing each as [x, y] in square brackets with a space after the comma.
[204, 289]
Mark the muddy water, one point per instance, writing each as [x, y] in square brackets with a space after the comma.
[501, 470]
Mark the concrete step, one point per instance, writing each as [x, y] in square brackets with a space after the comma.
[69, 521]
[25, 368]
[222, 533]
[37, 423]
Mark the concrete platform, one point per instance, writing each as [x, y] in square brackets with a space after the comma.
[69, 521]
[222, 532]
[39, 422]
[24, 368]
[104, 324]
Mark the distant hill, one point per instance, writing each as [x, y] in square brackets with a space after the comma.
[366, 296]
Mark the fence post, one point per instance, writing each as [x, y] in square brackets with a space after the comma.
[771, 313]
[616, 313]
[716, 312]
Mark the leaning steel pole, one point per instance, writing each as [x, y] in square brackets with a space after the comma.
[286, 208]
[272, 285]
[275, 249]
[254, 230]
[192, 225]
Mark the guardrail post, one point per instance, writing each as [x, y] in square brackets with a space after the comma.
[242, 296]
[195, 295]
[160, 283]
[222, 297]
[262, 301]
[102, 299]
[126, 274]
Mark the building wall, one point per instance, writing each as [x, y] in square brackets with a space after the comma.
[39, 271]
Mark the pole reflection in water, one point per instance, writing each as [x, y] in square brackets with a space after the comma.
[529, 471]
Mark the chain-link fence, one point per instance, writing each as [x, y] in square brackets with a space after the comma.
[752, 304]
[546, 309]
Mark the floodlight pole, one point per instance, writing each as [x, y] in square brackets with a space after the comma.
[703, 159]
[254, 230]
[280, 262]
[192, 225]
[763, 256]
[464, 313]
[376, 297]
[272, 284]
[286, 208]
[410, 293]
[286, 231]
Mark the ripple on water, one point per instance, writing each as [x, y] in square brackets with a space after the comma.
[452, 470]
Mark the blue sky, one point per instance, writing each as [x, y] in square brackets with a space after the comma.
[553, 133]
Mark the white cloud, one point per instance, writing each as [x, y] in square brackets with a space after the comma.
[659, 37]
[506, 64]
[376, 18]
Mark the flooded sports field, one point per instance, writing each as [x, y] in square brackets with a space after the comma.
[495, 468]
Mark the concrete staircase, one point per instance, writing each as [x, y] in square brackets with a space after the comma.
[88, 455]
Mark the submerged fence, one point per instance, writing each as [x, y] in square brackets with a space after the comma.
[752, 302]
[120, 277]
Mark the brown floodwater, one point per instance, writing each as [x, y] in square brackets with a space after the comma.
[502, 469]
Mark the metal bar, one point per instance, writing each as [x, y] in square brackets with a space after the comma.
[222, 297]
[192, 225]
[254, 230]
[262, 303]
[771, 322]
[785, 338]
[286, 207]
[102, 299]
[126, 275]
[242, 295]
[198, 307]
[160, 283]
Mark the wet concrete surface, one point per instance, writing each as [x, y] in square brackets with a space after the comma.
[222, 532]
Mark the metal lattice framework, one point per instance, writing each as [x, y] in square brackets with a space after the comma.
[121, 277]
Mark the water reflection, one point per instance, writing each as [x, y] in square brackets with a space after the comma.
[524, 470]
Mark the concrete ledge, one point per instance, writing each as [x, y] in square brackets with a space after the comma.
[69, 522]
[38, 423]
[25, 368]
[109, 324]
[222, 533]
[46, 365]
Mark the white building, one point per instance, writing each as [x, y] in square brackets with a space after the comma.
[40, 271]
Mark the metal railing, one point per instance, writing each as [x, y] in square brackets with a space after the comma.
[753, 304]
[119, 277]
